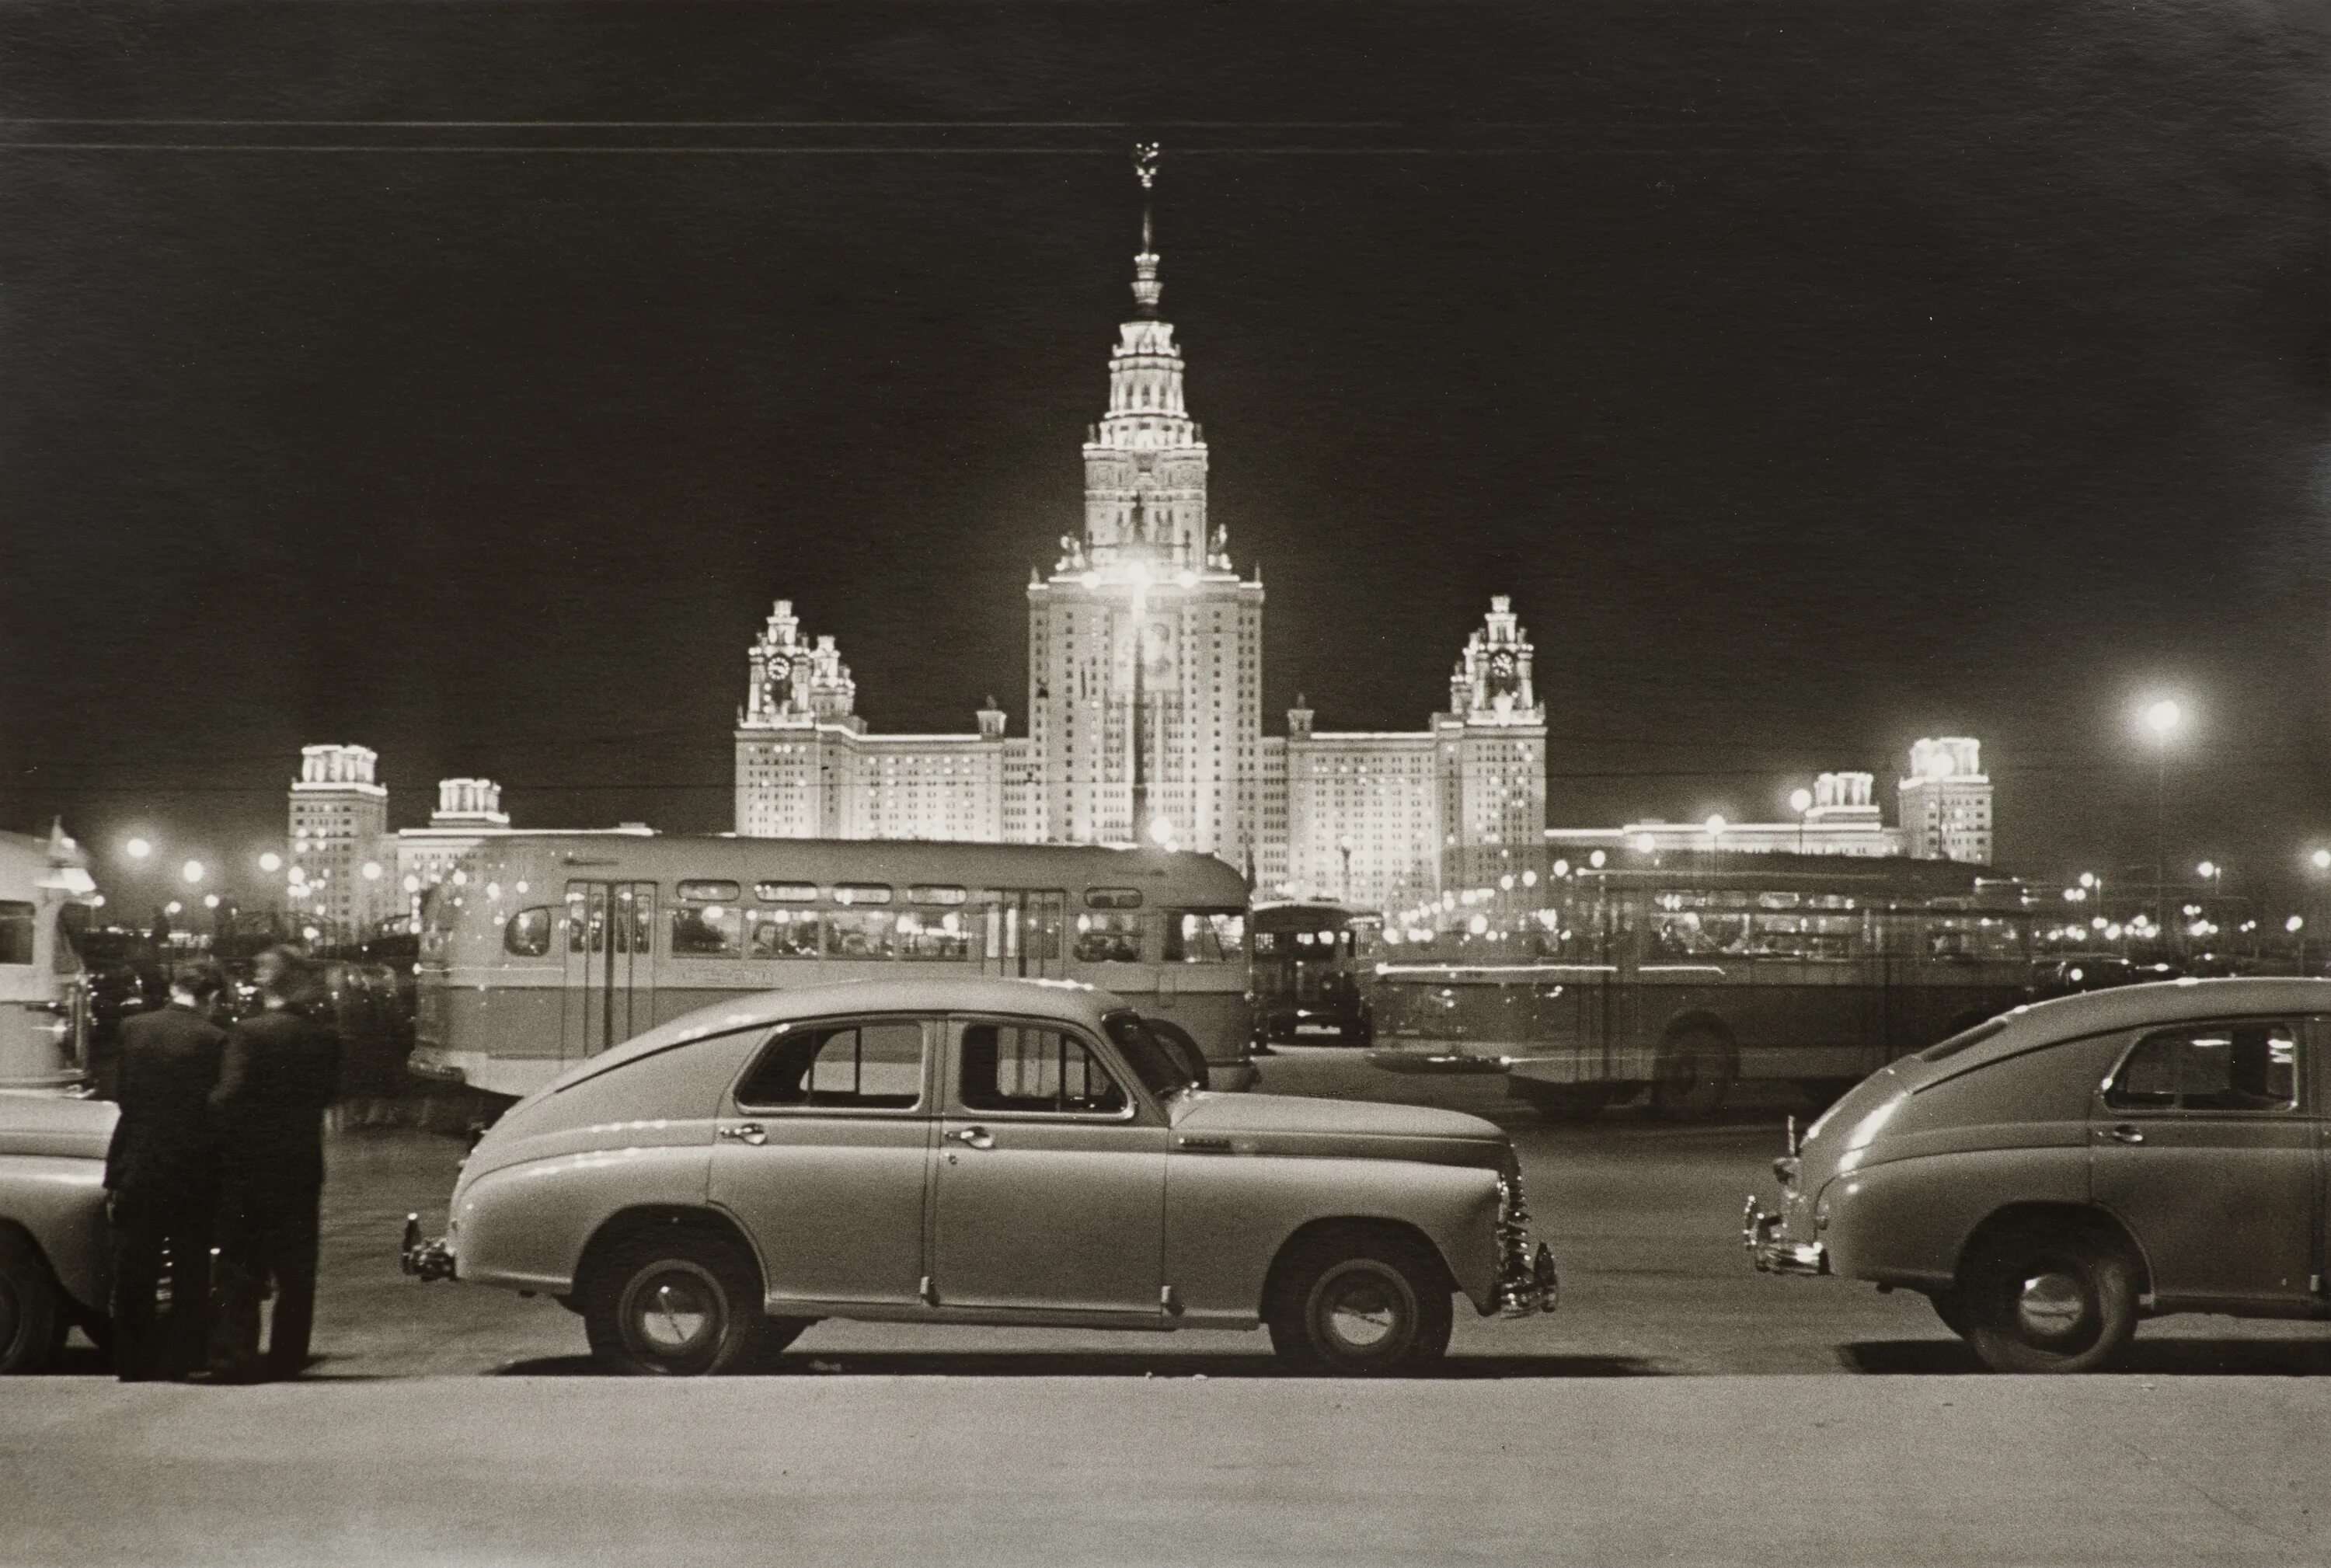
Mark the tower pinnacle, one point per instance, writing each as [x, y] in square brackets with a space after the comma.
[1146, 286]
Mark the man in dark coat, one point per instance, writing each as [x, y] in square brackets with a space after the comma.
[282, 1068]
[161, 1177]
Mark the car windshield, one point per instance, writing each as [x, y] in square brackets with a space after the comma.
[1156, 1067]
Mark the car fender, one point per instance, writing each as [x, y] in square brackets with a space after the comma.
[524, 1226]
[1227, 1215]
[1906, 1222]
[59, 1201]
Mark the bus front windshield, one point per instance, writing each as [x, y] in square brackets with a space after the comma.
[1160, 1072]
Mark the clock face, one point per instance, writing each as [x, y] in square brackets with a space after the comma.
[1501, 672]
[781, 670]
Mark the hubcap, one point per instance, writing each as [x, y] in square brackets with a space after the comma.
[675, 1312]
[1361, 1311]
[2051, 1303]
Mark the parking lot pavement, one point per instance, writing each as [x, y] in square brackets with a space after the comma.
[1643, 1218]
[1083, 1471]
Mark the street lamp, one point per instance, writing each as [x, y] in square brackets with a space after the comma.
[271, 863]
[1800, 801]
[1345, 844]
[137, 849]
[2162, 717]
[192, 872]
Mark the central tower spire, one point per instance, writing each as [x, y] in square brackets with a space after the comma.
[1146, 286]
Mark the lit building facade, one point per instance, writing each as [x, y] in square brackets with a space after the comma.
[469, 812]
[1843, 819]
[1945, 802]
[1145, 702]
[336, 877]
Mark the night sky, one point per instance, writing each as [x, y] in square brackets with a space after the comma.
[1814, 377]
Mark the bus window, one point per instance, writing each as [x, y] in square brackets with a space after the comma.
[72, 925]
[786, 934]
[860, 934]
[785, 892]
[1205, 936]
[707, 891]
[1109, 937]
[707, 931]
[528, 934]
[15, 931]
[942, 896]
[861, 893]
[934, 937]
[1112, 898]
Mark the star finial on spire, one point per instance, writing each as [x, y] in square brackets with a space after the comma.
[1146, 288]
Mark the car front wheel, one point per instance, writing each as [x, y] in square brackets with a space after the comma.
[1360, 1304]
[681, 1305]
[2049, 1298]
[32, 1319]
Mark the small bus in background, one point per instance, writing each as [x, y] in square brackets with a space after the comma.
[1308, 963]
[46, 895]
[543, 949]
[1680, 981]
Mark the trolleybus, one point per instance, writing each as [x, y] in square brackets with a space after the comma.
[540, 950]
[1681, 981]
[1308, 964]
[46, 898]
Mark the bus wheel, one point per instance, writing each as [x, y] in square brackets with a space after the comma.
[1574, 1103]
[1693, 1073]
[678, 1303]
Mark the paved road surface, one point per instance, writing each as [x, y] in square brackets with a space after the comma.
[1082, 1470]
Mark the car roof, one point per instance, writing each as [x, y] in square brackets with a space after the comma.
[1061, 1001]
[2137, 1006]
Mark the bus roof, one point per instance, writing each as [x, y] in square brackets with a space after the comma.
[1873, 874]
[904, 860]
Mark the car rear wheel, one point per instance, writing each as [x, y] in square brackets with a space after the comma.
[1692, 1076]
[2049, 1298]
[32, 1322]
[680, 1304]
[1360, 1304]
[1950, 1305]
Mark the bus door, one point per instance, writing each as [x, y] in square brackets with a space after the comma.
[1021, 934]
[610, 993]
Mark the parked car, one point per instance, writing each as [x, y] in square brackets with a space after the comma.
[56, 1256]
[980, 1151]
[2053, 1176]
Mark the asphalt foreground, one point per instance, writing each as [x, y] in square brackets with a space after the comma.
[1679, 1409]
[1086, 1470]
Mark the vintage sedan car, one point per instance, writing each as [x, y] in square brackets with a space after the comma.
[975, 1151]
[55, 1254]
[2053, 1176]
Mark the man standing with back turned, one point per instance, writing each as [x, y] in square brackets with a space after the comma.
[281, 1069]
[161, 1177]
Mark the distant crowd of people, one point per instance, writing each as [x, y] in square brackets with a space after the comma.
[218, 1155]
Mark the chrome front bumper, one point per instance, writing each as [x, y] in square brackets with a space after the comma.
[1526, 1281]
[1775, 1253]
[425, 1260]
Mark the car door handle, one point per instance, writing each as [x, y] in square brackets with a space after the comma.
[971, 1137]
[2125, 1133]
[747, 1133]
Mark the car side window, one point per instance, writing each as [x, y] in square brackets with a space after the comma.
[1027, 1067]
[2247, 1066]
[871, 1065]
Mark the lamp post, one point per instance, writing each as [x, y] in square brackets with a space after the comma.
[2318, 862]
[1801, 801]
[2162, 717]
[1345, 846]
